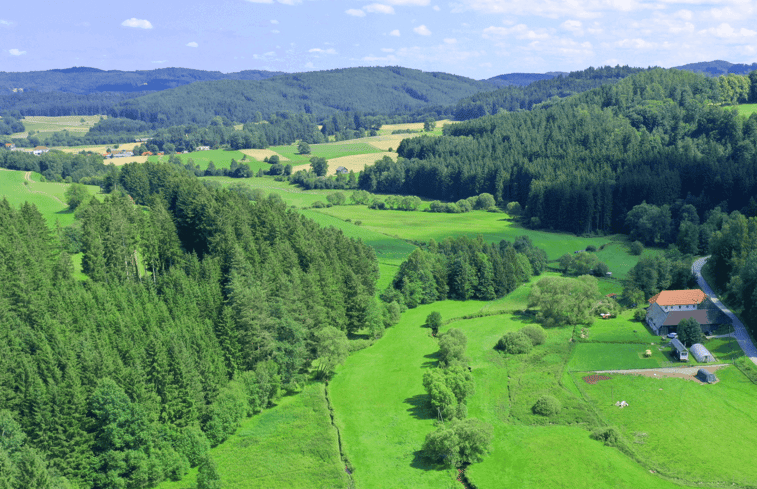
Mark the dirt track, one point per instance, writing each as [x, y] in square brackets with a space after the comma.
[687, 373]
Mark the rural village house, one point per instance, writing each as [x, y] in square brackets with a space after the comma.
[40, 149]
[341, 170]
[10, 146]
[670, 307]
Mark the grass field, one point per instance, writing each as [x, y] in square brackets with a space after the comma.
[42, 125]
[691, 431]
[97, 149]
[220, 158]
[746, 109]
[326, 150]
[264, 452]
[357, 163]
[47, 196]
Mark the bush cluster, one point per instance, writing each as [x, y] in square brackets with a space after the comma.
[519, 342]
[547, 406]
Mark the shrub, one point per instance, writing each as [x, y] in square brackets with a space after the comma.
[535, 333]
[458, 442]
[434, 321]
[609, 436]
[636, 248]
[600, 269]
[515, 343]
[547, 406]
[318, 204]
[639, 314]
[591, 248]
[452, 345]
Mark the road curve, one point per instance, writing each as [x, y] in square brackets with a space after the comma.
[745, 342]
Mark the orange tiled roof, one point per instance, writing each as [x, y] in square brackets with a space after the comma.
[678, 297]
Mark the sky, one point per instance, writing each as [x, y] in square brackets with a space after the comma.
[474, 38]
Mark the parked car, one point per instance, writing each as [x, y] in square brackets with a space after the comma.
[673, 335]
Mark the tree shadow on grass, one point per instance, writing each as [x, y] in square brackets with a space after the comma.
[420, 407]
[433, 360]
[525, 317]
[67, 210]
[422, 463]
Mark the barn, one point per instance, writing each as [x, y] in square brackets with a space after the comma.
[701, 353]
[706, 376]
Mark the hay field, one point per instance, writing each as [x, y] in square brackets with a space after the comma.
[356, 163]
[261, 154]
[71, 123]
[123, 161]
[412, 126]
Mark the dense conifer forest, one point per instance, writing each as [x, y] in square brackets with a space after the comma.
[581, 165]
[201, 306]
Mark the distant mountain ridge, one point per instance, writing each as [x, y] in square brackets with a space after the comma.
[85, 80]
[718, 67]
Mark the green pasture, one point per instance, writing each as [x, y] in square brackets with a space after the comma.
[325, 150]
[381, 407]
[47, 196]
[292, 445]
[699, 433]
[619, 356]
[618, 329]
[71, 123]
[746, 109]
[220, 158]
[292, 195]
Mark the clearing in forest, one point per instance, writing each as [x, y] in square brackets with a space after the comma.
[356, 163]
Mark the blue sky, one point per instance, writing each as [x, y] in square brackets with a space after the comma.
[474, 38]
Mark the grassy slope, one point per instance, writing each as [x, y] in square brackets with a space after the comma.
[47, 196]
[264, 452]
[380, 404]
[686, 429]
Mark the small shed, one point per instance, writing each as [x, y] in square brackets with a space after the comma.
[341, 170]
[679, 350]
[706, 376]
[701, 353]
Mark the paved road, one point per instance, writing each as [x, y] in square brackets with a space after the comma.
[745, 342]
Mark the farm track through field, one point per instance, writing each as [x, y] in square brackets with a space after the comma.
[741, 335]
[28, 178]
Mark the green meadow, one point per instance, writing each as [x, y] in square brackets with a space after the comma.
[683, 429]
[47, 196]
[221, 159]
[325, 150]
[292, 445]
[746, 109]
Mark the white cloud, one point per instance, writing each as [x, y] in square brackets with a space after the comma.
[160, 62]
[290, 2]
[422, 30]
[260, 1]
[436, 8]
[5, 22]
[684, 14]
[450, 40]
[192, 44]
[387, 50]
[379, 8]
[417, 3]
[355, 12]
[16, 52]
[635, 44]
[309, 65]
[520, 31]
[395, 33]
[274, 21]
[137, 23]
[725, 31]
[322, 51]
[275, 31]
[574, 26]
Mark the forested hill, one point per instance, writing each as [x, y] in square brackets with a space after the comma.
[83, 80]
[379, 90]
[582, 164]
[522, 79]
[525, 95]
[199, 308]
[719, 67]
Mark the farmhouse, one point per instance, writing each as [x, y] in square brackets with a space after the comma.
[10, 146]
[680, 350]
[40, 149]
[669, 307]
[202, 148]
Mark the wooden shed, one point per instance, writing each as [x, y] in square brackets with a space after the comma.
[706, 376]
[679, 350]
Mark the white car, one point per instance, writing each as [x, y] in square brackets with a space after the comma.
[672, 335]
